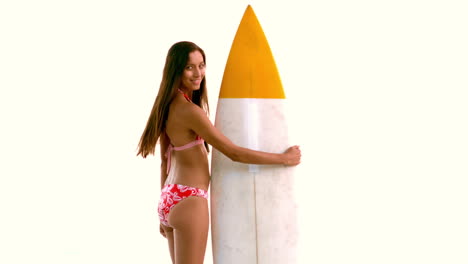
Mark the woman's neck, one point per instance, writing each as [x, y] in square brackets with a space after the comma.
[187, 96]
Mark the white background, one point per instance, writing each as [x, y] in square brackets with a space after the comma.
[378, 102]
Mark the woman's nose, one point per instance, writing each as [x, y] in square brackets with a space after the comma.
[196, 72]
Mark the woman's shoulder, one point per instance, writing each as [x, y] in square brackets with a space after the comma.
[183, 109]
[179, 104]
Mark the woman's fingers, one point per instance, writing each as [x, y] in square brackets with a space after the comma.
[294, 155]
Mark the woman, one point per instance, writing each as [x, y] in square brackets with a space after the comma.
[179, 119]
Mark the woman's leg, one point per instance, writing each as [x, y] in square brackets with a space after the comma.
[189, 218]
[170, 240]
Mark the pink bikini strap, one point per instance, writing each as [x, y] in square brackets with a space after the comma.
[170, 148]
[189, 145]
[185, 95]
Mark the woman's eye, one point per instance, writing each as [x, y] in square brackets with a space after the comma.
[188, 67]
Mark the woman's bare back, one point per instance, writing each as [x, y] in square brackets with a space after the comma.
[190, 166]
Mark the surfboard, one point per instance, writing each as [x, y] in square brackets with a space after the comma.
[253, 211]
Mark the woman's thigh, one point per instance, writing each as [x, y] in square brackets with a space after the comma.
[189, 218]
[169, 234]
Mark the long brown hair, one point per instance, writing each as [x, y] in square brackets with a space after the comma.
[176, 61]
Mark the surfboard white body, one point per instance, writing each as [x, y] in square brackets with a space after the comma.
[253, 212]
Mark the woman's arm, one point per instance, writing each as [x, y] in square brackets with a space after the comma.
[164, 144]
[197, 120]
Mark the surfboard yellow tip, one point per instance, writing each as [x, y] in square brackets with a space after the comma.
[251, 69]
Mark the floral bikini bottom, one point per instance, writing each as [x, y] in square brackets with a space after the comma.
[173, 194]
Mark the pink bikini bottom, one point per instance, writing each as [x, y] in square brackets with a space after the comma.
[173, 194]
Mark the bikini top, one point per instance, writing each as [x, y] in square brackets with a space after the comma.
[170, 148]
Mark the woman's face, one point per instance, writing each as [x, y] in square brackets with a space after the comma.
[194, 72]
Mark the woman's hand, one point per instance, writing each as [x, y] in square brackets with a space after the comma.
[292, 156]
[161, 230]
